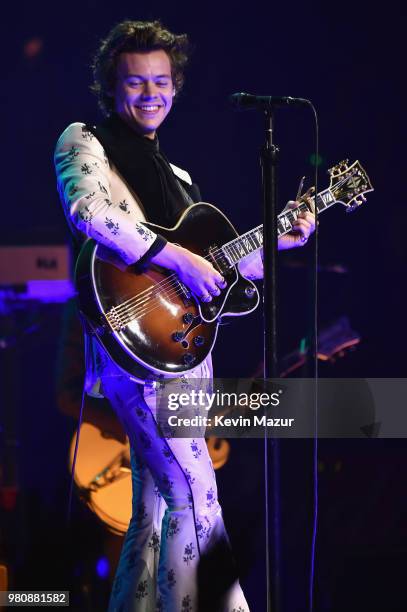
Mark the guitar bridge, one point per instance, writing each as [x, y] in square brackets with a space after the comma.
[115, 320]
[186, 292]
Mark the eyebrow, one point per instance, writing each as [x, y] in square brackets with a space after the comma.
[140, 76]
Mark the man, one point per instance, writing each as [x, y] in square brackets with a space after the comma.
[111, 178]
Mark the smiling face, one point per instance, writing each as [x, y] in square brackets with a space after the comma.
[144, 90]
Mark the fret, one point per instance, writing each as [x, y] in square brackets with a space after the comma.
[245, 241]
[280, 227]
[228, 254]
[285, 222]
[291, 216]
[320, 204]
[235, 254]
[251, 241]
[260, 234]
[324, 200]
[240, 249]
[344, 188]
[286, 219]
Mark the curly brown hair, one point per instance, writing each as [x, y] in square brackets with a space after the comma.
[130, 36]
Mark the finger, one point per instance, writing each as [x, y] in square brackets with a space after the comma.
[303, 228]
[222, 284]
[307, 214]
[307, 221]
[215, 291]
[299, 238]
[219, 280]
[205, 297]
[302, 225]
[212, 289]
[310, 203]
[308, 217]
[290, 205]
[202, 292]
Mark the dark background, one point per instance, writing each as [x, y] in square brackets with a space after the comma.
[349, 61]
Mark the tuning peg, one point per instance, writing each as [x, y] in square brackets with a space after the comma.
[355, 203]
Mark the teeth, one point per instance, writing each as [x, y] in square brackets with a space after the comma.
[149, 108]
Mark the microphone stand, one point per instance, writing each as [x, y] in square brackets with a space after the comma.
[269, 161]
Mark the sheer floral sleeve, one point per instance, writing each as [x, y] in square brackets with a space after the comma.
[83, 173]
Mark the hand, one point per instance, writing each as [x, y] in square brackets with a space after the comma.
[194, 271]
[303, 227]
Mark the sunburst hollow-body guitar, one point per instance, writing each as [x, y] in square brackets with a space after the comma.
[149, 322]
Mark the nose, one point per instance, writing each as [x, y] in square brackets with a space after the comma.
[150, 90]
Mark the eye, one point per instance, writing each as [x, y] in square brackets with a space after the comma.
[162, 83]
[134, 83]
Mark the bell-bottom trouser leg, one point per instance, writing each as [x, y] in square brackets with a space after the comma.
[176, 516]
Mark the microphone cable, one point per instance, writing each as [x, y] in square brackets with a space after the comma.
[314, 348]
[75, 454]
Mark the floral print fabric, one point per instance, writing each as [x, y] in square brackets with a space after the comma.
[176, 513]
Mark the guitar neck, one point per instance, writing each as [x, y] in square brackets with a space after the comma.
[252, 241]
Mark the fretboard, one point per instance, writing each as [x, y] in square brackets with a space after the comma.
[251, 241]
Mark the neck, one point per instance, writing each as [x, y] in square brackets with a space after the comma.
[135, 128]
[251, 241]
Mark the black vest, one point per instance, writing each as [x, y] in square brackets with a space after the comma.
[146, 170]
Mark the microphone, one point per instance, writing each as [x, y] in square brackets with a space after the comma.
[245, 101]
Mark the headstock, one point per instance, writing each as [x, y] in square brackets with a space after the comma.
[349, 183]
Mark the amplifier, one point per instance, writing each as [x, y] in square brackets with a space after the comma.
[35, 272]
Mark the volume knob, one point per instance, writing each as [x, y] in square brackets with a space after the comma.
[188, 318]
[199, 340]
[177, 336]
[188, 359]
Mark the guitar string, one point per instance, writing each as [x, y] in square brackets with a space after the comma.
[135, 311]
[169, 281]
[143, 309]
[132, 303]
[249, 235]
[129, 307]
[147, 311]
[213, 254]
[151, 307]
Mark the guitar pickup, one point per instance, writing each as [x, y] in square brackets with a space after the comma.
[219, 260]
